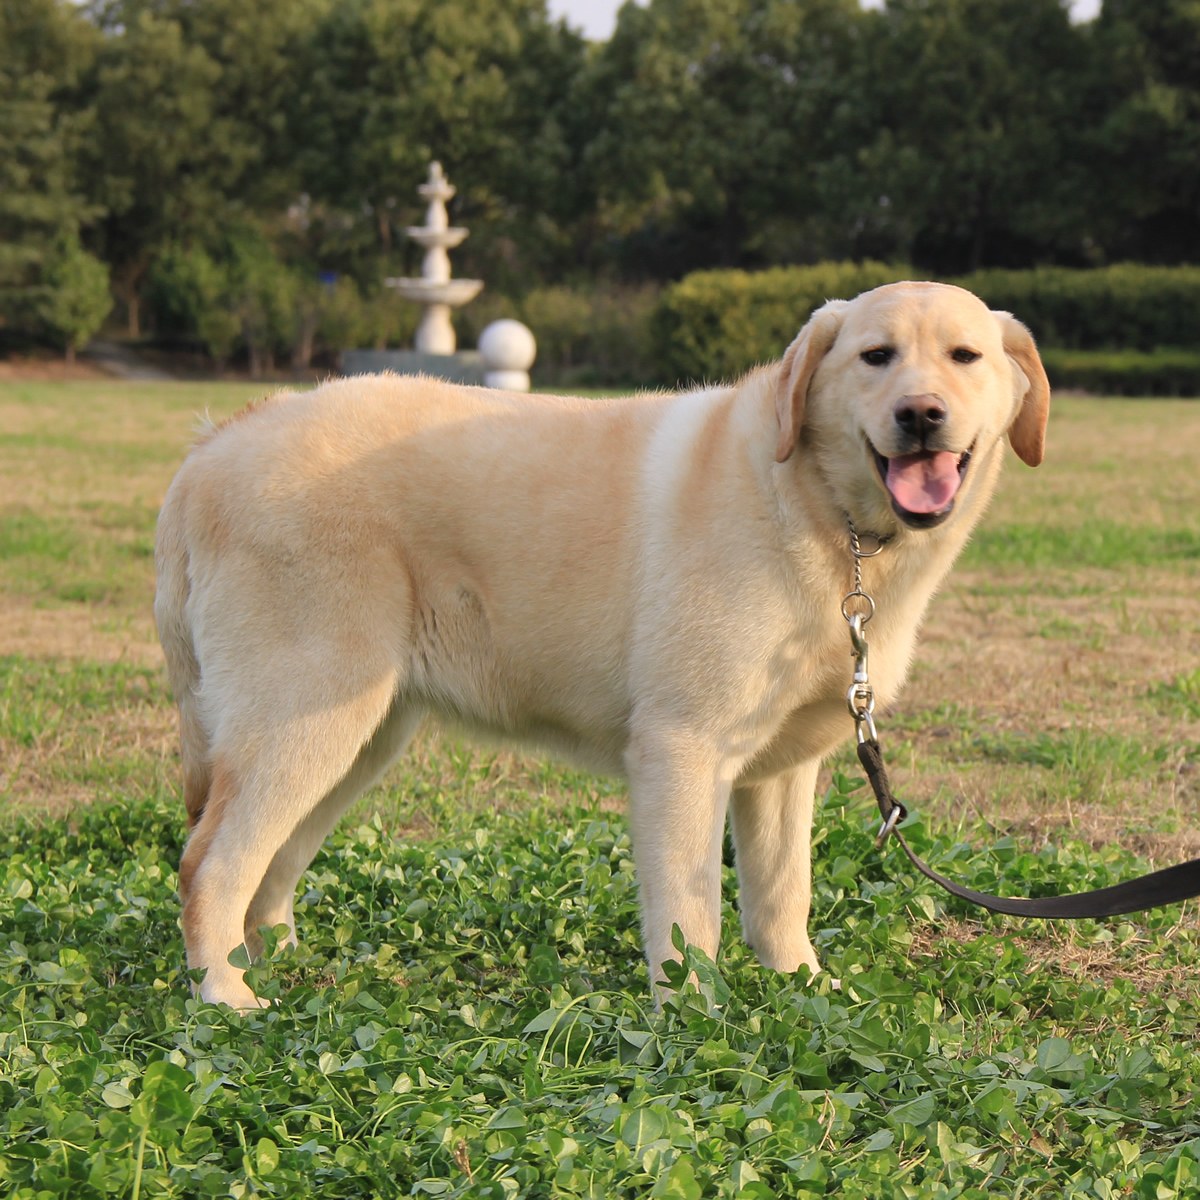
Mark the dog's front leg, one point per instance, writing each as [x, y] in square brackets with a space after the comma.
[772, 836]
[679, 792]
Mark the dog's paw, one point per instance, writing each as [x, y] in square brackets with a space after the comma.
[233, 995]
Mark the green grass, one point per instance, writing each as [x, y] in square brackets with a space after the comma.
[42, 698]
[1098, 544]
[468, 1013]
[1180, 695]
[78, 528]
[84, 561]
[74, 730]
[468, 1017]
[1078, 758]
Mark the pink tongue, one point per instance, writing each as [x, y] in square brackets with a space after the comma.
[923, 483]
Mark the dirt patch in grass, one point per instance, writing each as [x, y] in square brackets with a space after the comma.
[24, 776]
[1032, 710]
[1064, 646]
[76, 631]
[986, 685]
[42, 369]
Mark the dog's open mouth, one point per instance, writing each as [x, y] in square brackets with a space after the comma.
[923, 485]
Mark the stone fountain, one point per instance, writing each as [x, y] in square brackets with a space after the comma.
[435, 289]
[508, 346]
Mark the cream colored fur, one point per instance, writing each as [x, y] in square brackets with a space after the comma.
[650, 585]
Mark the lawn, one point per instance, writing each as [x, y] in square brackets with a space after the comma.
[468, 1012]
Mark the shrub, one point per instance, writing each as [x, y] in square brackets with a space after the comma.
[1119, 307]
[562, 320]
[264, 293]
[1168, 372]
[471, 321]
[242, 295]
[717, 324]
[388, 320]
[601, 336]
[594, 336]
[189, 293]
[340, 317]
[75, 299]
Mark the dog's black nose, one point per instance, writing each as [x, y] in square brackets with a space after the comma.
[920, 416]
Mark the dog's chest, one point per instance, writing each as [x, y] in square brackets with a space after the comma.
[809, 716]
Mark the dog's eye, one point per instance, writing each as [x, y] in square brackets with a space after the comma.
[963, 354]
[878, 356]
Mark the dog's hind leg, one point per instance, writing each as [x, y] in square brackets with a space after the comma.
[772, 836]
[272, 903]
[282, 749]
[183, 671]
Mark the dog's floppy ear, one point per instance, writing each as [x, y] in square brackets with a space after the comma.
[1031, 388]
[800, 363]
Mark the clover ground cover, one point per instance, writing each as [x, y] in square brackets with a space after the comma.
[467, 1014]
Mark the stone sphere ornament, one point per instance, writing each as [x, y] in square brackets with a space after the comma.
[508, 349]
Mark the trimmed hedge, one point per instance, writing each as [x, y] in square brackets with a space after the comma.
[1127, 306]
[717, 324]
[1168, 372]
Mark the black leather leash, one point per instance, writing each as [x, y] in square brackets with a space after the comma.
[1167, 886]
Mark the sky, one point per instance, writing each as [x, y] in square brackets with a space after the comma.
[597, 17]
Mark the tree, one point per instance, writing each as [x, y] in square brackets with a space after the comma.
[950, 133]
[46, 45]
[75, 298]
[1144, 142]
[392, 84]
[259, 51]
[966, 151]
[709, 124]
[159, 159]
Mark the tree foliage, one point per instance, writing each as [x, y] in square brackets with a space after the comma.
[160, 159]
[712, 122]
[75, 296]
[952, 134]
[1146, 145]
[967, 142]
[41, 122]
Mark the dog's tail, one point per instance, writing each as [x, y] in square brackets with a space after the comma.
[183, 669]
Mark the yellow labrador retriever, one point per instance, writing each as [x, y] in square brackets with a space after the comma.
[651, 584]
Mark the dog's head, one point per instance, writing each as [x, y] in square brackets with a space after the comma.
[903, 389]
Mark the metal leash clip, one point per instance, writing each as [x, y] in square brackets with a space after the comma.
[857, 609]
[889, 826]
[860, 696]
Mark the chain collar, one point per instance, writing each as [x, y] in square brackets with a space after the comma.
[858, 598]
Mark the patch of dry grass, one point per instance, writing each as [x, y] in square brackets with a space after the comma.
[1055, 947]
[1040, 710]
[1035, 703]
